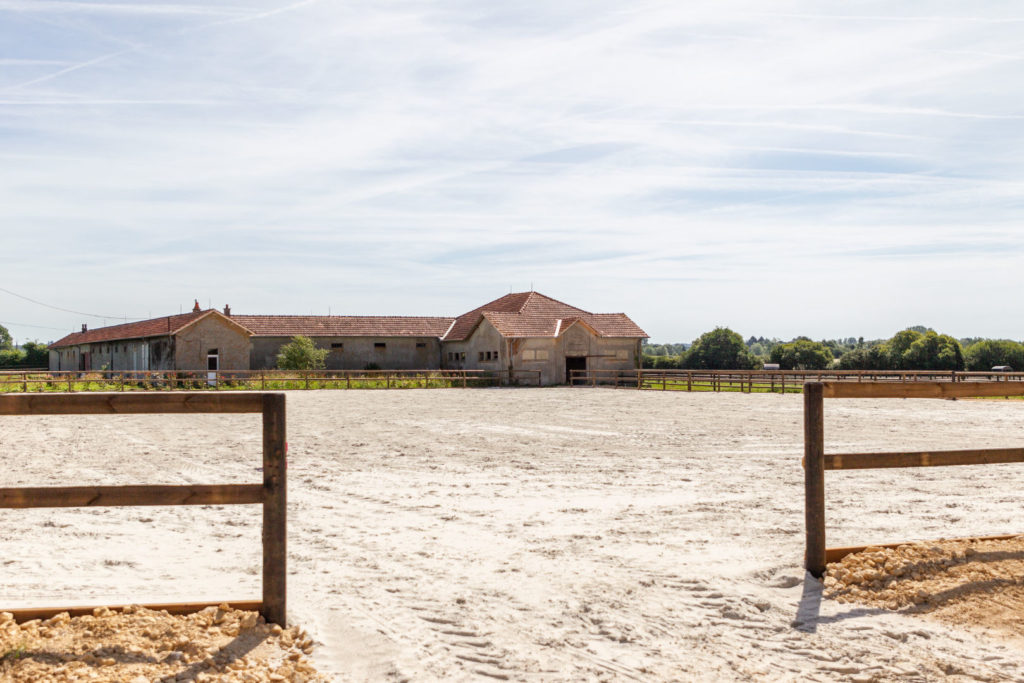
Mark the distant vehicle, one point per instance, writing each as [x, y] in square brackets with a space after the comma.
[1002, 368]
[770, 366]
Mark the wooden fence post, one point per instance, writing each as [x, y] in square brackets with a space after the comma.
[814, 477]
[275, 510]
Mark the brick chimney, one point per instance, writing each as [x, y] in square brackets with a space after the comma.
[196, 309]
[85, 328]
[227, 310]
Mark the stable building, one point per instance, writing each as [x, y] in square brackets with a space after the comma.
[521, 331]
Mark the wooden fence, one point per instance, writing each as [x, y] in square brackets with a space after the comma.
[272, 493]
[770, 381]
[261, 380]
[816, 462]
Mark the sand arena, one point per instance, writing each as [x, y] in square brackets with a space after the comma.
[531, 534]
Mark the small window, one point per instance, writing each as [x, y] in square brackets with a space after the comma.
[462, 356]
[481, 357]
[337, 346]
[380, 346]
[211, 352]
[421, 345]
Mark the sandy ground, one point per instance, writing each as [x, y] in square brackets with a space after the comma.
[530, 534]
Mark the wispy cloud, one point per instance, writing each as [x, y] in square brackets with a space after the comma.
[418, 158]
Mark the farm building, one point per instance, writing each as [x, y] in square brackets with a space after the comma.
[522, 331]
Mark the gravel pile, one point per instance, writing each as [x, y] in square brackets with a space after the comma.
[138, 645]
[972, 582]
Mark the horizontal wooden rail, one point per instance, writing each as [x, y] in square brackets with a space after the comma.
[272, 493]
[114, 496]
[871, 461]
[28, 614]
[921, 389]
[816, 462]
[129, 404]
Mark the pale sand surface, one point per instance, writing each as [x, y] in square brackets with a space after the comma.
[530, 534]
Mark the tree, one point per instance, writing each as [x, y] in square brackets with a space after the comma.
[988, 353]
[37, 354]
[897, 347]
[871, 357]
[10, 358]
[719, 349]
[301, 354]
[802, 354]
[933, 351]
[6, 342]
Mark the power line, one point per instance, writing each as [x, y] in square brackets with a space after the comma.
[41, 327]
[68, 310]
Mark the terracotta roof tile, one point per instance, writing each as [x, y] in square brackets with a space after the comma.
[531, 314]
[343, 325]
[155, 327]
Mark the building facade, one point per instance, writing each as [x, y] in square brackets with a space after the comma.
[522, 331]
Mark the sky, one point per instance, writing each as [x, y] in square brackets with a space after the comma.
[786, 168]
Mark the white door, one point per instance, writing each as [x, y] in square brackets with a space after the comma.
[212, 364]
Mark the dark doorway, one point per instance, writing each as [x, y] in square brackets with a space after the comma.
[574, 363]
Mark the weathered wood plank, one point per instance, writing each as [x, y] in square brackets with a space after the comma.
[867, 461]
[922, 389]
[275, 510]
[814, 478]
[836, 554]
[113, 496]
[28, 614]
[130, 403]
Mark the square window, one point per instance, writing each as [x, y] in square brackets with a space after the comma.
[337, 346]
[379, 346]
[421, 345]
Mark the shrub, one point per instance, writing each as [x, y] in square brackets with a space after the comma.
[301, 354]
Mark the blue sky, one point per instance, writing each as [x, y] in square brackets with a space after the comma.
[786, 168]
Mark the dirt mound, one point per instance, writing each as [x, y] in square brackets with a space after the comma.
[139, 645]
[978, 583]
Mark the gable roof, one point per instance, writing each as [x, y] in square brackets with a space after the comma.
[344, 325]
[154, 327]
[531, 314]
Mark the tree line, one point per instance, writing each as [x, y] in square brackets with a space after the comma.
[32, 354]
[915, 348]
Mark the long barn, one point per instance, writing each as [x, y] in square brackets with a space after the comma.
[520, 331]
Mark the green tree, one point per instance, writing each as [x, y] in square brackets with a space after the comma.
[802, 354]
[10, 358]
[871, 357]
[896, 349]
[6, 342]
[719, 349]
[37, 354]
[933, 351]
[301, 354]
[988, 353]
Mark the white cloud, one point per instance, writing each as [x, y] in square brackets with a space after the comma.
[693, 165]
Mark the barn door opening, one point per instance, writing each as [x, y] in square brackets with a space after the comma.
[574, 363]
[212, 365]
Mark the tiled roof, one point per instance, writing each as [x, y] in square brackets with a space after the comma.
[343, 325]
[156, 327]
[524, 314]
[530, 314]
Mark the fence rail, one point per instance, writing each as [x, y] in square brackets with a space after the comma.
[272, 493]
[261, 380]
[816, 462]
[777, 381]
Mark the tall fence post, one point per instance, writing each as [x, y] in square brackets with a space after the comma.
[275, 510]
[814, 477]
